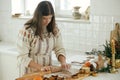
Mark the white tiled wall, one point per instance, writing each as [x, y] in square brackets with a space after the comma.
[85, 36]
[76, 36]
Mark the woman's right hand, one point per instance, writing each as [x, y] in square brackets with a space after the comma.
[39, 67]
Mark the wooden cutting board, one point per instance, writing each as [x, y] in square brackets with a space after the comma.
[31, 76]
[67, 74]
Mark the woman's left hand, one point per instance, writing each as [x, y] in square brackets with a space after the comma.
[65, 66]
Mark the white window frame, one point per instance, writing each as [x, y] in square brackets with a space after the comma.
[58, 12]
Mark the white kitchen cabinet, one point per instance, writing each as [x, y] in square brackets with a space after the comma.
[8, 63]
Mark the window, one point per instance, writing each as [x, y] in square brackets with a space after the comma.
[63, 8]
[66, 6]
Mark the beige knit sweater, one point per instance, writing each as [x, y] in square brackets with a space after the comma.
[31, 47]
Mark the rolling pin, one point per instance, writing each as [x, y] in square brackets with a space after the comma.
[30, 76]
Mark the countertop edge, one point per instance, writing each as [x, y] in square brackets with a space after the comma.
[8, 48]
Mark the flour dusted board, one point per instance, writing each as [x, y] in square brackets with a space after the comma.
[72, 74]
[31, 76]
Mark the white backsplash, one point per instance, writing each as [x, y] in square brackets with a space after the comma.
[76, 35]
[86, 36]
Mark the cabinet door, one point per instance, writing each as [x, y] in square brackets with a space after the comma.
[8, 67]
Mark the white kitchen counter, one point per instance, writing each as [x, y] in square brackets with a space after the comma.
[105, 76]
[8, 48]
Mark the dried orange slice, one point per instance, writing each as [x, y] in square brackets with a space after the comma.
[87, 64]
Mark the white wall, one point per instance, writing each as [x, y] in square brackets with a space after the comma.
[105, 7]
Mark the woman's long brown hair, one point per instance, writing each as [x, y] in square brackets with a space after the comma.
[44, 8]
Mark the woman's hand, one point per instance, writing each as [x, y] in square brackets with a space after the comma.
[34, 65]
[39, 67]
[62, 60]
[65, 66]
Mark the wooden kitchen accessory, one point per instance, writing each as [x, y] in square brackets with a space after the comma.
[31, 76]
[57, 74]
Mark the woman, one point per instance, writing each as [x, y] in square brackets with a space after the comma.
[38, 38]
